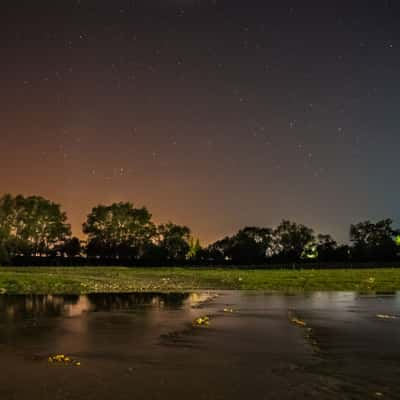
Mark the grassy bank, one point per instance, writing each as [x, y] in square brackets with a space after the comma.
[87, 280]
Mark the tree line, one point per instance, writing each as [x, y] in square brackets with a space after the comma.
[35, 230]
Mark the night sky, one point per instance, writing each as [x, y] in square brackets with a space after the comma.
[214, 114]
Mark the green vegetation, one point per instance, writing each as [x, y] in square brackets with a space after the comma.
[62, 280]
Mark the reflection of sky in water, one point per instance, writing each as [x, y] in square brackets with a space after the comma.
[83, 305]
[333, 299]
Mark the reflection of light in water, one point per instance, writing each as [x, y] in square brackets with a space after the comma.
[333, 299]
[340, 300]
[196, 298]
[156, 301]
[164, 316]
[29, 304]
[10, 310]
[75, 323]
[74, 310]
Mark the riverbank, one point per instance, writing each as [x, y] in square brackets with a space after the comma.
[74, 280]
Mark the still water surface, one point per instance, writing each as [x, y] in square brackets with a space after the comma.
[144, 346]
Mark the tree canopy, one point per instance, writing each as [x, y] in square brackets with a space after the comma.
[120, 232]
[31, 225]
[374, 241]
[174, 241]
[290, 240]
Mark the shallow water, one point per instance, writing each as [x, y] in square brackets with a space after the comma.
[144, 346]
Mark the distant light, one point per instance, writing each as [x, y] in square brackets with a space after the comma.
[313, 255]
[310, 251]
[397, 240]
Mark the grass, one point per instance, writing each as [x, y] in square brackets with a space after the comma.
[74, 280]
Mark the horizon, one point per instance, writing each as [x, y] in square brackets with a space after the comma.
[83, 237]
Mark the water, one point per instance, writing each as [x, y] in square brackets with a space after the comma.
[144, 346]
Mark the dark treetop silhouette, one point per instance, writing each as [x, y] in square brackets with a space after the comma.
[34, 230]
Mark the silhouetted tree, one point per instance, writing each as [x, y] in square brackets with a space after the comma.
[250, 245]
[4, 255]
[71, 247]
[118, 231]
[291, 239]
[153, 254]
[174, 241]
[342, 253]
[31, 225]
[5, 228]
[374, 241]
[218, 251]
[34, 227]
[326, 247]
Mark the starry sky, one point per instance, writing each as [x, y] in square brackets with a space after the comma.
[215, 114]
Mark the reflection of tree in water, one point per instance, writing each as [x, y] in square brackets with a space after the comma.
[73, 324]
[121, 301]
[34, 306]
